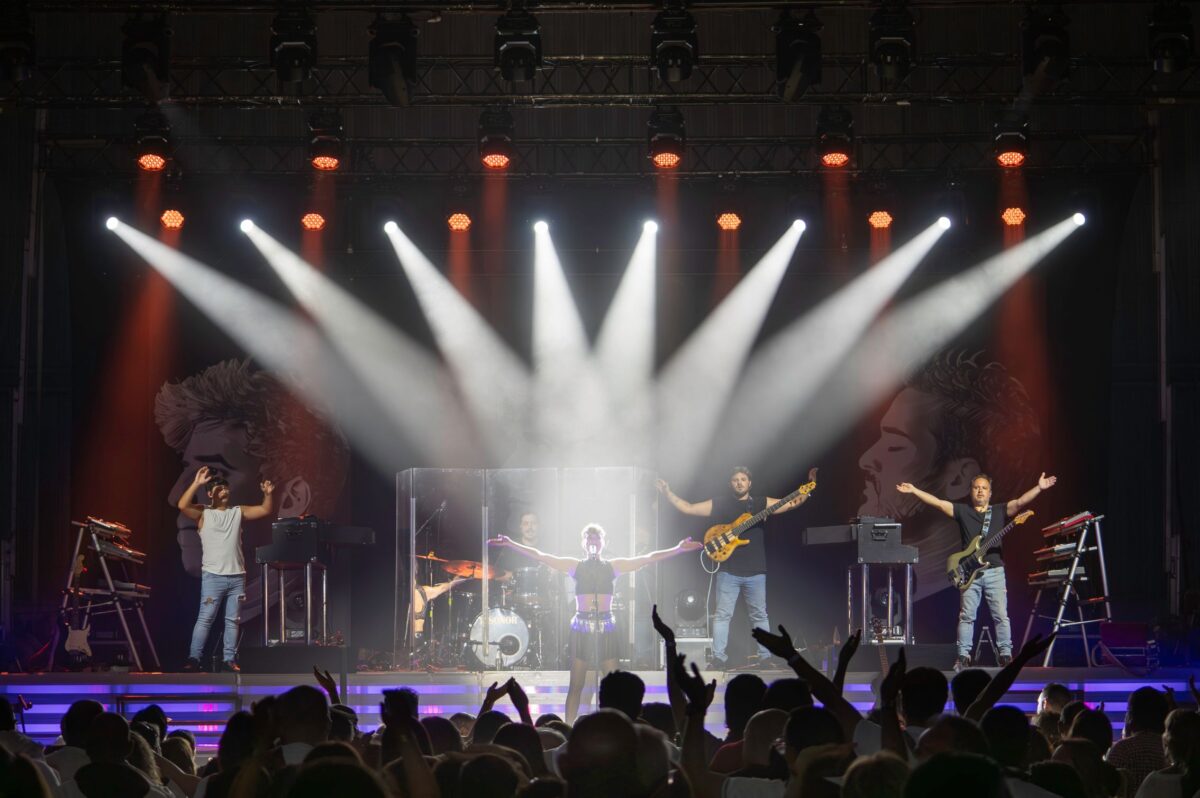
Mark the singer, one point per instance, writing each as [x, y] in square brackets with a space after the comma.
[594, 640]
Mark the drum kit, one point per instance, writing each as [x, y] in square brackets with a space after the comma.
[523, 617]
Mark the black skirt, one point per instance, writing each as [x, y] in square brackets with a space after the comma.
[594, 637]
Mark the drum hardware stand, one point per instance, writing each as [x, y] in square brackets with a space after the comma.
[409, 630]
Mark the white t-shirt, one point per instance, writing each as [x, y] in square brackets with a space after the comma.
[67, 760]
[221, 542]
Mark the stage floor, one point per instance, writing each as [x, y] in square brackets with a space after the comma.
[202, 702]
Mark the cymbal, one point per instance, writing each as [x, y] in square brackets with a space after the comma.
[471, 569]
[429, 557]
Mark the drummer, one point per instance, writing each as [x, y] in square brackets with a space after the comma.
[509, 560]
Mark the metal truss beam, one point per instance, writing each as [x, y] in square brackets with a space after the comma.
[705, 158]
[484, 6]
[610, 81]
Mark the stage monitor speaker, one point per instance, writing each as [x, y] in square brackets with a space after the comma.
[294, 659]
[696, 649]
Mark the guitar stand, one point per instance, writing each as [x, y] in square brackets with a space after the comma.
[986, 634]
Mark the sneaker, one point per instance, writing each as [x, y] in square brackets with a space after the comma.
[962, 663]
[230, 667]
[191, 666]
[1004, 659]
[718, 664]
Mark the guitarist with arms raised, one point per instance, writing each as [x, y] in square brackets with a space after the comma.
[983, 519]
[745, 571]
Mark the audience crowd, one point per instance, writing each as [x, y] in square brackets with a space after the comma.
[793, 738]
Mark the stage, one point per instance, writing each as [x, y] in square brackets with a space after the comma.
[202, 702]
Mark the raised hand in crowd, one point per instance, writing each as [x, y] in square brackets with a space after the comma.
[844, 656]
[492, 695]
[520, 700]
[327, 684]
[1003, 681]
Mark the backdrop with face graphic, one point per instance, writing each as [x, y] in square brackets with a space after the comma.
[1024, 386]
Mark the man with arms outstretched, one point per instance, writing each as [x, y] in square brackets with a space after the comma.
[989, 584]
[223, 567]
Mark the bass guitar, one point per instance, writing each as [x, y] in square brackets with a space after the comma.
[963, 567]
[722, 540]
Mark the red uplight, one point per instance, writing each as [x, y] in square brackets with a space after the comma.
[729, 221]
[880, 220]
[313, 221]
[171, 219]
[667, 160]
[835, 160]
[496, 160]
[459, 222]
[326, 163]
[152, 163]
[1013, 216]
[1010, 159]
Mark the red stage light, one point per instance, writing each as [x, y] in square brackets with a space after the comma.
[171, 219]
[880, 220]
[729, 221]
[1013, 216]
[496, 160]
[152, 163]
[835, 160]
[313, 221]
[326, 163]
[1010, 159]
[667, 160]
[459, 222]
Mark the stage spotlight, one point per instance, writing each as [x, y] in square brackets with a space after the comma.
[293, 45]
[540, 227]
[496, 138]
[729, 221]
[944, 222]
[312, 222]
[325, 141]
[650, 226]
[246, 225]
[171, 219]
[146, 56]
[390, 227]
[799, 223]
[880, 220]
[673, 43]
[392, 57]
[1045, 44]
[835, 136]
[1013, 217]
[1171, 36]
[16, 45]
[690, 607]
[458, 222]
[797, 53]
[111, 223]
[892, 40]
[153, 141]
[666, 138]
[1010, 142]
[517, 45]
[1079, 219]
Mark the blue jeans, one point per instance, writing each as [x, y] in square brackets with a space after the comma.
[215, 588]
[729, 587]
[989, 585]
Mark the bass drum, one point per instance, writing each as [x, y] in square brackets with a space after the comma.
[508, 635]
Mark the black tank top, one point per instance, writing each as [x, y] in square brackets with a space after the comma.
[594, 577]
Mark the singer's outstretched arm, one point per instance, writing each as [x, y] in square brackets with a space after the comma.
[624, 565]
[564, 564]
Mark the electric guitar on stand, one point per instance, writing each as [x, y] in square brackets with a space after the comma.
[722, 540]
[963, 567]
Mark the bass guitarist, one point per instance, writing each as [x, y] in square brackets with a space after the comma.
[989, 584]
[746, 571]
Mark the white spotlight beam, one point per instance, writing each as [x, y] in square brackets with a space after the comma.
[695, 384]
[493, 380]
[279, 339]
[570, 411]
[905, 339]
[403, 378]
[625, 346]
[787, 371]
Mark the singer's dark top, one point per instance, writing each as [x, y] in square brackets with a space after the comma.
[748, 560]
[594, 577]
[970, 524]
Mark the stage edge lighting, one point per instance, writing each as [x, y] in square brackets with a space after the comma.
[517, 45]
[666, 138]
[835, 136]
[674, 46]
[797, 53]
[1171, 37]
[392, 57]
[293, 45]
[892, 40]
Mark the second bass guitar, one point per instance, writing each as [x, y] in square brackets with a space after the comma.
[722, 540]
[963, 567]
